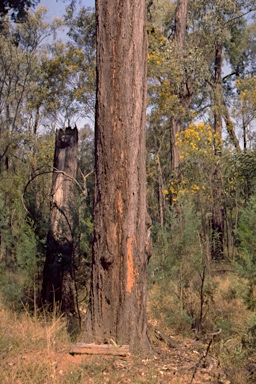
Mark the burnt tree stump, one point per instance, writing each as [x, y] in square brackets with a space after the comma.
[58, 274]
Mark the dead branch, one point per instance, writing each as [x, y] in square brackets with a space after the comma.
[205, 354]
[168, 340]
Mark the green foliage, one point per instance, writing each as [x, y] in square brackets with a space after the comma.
[251, 335]
[249, 344]
[11, 293]
[247, 231]
[21, 262]
[160, 12]
[180, 256]
[246, 261]
[26, 248]
[36, 85]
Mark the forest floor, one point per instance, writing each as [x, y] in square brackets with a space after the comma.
[190, 361]
[35, 349]
[183, 364]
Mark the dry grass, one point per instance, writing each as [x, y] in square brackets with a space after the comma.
[27, 345]
[35, 349]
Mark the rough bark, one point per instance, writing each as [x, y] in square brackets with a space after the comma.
[117, 307]
[181, 22]
[57, 274]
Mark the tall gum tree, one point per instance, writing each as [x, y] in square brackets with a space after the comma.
[117, 306]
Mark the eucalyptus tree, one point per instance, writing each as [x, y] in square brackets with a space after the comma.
[172, 47]
[239, 83]
[215, 26]
[117, 306]
[68, 76]
[82, 37]
[186, 81]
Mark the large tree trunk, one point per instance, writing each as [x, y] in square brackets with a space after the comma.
[57, 274]
[117, 307]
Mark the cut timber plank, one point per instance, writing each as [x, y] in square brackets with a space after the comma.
[99, 349]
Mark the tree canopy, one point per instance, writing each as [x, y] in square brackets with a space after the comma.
[17, 9]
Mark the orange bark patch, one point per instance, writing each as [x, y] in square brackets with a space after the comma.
[120, 204]
[130, 268]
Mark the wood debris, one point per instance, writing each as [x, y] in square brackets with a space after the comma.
[99, 349]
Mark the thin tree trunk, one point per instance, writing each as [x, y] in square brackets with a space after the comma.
[184, 93]
[218, 92]
[220, 112]
[117, 307]
[220, 107]
[244, 131]
[230, 126]
[160, 193]
[176, 128]
[217, 211]
[181, 22]
[57, 274]
[217, 248]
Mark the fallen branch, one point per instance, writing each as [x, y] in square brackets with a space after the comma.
[168, 340]
[205, 354]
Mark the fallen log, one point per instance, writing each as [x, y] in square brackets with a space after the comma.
[171, 343]
[99, 349]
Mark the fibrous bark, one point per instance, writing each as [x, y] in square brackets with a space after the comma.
[117, 307]
[181, 22]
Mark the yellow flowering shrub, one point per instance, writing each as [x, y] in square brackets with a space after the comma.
[198, 140]
[247, 94]
[197, 146]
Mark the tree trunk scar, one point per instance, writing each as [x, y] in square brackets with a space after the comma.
[131, 271]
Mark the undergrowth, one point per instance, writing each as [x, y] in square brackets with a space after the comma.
[224, 308]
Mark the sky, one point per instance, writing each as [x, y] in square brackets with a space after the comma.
[56, 8]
